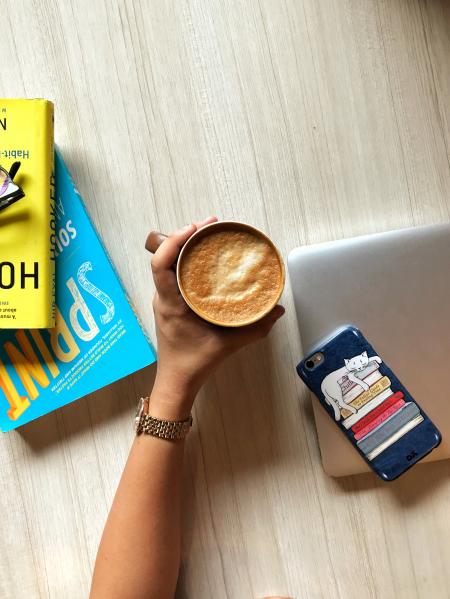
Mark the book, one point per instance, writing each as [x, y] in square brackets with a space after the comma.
[355, 390]
[357, 397]
[97, 339]
[380, 419]
[368, 407]
[346, 384]
[387, 403]
[27, 224]
[395, 437]
[409, 411]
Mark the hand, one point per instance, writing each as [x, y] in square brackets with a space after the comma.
[189, 348]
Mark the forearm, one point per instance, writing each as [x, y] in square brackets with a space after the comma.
[140, 550]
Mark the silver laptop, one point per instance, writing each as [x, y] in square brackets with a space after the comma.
[395, 287]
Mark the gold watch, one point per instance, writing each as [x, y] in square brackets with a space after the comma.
[164, 429]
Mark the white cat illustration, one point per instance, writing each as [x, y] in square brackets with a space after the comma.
[331, 388]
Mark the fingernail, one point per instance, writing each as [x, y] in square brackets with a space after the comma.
[186, 227]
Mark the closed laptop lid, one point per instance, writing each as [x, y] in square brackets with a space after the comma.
[395, 287]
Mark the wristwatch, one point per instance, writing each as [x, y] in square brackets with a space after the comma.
[164, 429]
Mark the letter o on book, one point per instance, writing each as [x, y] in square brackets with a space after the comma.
[4, 267]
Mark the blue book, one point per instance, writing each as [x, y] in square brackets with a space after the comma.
[97, 339]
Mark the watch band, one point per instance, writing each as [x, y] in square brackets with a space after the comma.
[157, 427]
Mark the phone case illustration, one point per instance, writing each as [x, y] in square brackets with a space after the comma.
[368, 402]
[358, 392]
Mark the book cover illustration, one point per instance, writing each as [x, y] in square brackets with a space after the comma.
[27, 224]
[97, 339]
[364, 401]
[10, 192]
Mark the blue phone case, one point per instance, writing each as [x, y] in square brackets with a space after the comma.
[369, 404]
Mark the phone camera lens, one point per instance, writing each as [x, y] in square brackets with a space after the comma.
[309, 364]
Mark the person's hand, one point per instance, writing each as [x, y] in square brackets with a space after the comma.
[189, 348]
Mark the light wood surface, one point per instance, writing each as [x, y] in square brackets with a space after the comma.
[312, 120]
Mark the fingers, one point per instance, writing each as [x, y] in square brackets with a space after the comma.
[166, 250]
[260, 329]
[206, 221]
[155, 238]
[165, 256]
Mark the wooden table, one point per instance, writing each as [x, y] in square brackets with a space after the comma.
[313, 120]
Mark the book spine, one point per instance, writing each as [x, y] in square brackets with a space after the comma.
[352, 419]
[389, 428]
[352, 392]
[63, 166]
[363, 398]
[395, 437]
[345, 381]
[50, 174]
[376, 422]
[377, 411]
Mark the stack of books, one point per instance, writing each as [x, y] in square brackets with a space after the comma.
[63, 336]
[382, 416]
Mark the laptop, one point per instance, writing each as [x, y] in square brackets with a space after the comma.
[395, 287]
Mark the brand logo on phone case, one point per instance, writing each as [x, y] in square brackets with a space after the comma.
[411, 456]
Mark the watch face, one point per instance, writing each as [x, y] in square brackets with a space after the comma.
[139, 412]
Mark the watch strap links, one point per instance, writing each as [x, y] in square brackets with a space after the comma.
[163, 429]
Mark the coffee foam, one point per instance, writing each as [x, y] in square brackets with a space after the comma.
[231, 276]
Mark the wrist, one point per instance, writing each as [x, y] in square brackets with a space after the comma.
[171, 399]
[177, 384]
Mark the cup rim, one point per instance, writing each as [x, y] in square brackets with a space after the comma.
[242, 226]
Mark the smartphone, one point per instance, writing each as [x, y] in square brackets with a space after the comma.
[368, 403]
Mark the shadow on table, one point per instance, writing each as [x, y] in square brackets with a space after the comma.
[95, 411]
[242, 430]
[407, 491]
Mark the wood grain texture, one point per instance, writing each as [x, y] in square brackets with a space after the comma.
[312, 120]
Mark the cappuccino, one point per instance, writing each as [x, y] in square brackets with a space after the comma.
[231, 276]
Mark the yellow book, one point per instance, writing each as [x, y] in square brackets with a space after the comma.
[366, 396]
[27, 222]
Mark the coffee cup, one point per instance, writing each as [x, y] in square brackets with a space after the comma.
[229, 273]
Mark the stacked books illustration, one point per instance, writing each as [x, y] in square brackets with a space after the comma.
[383, 416]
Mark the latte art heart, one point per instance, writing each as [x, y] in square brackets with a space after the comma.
[232, 277]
